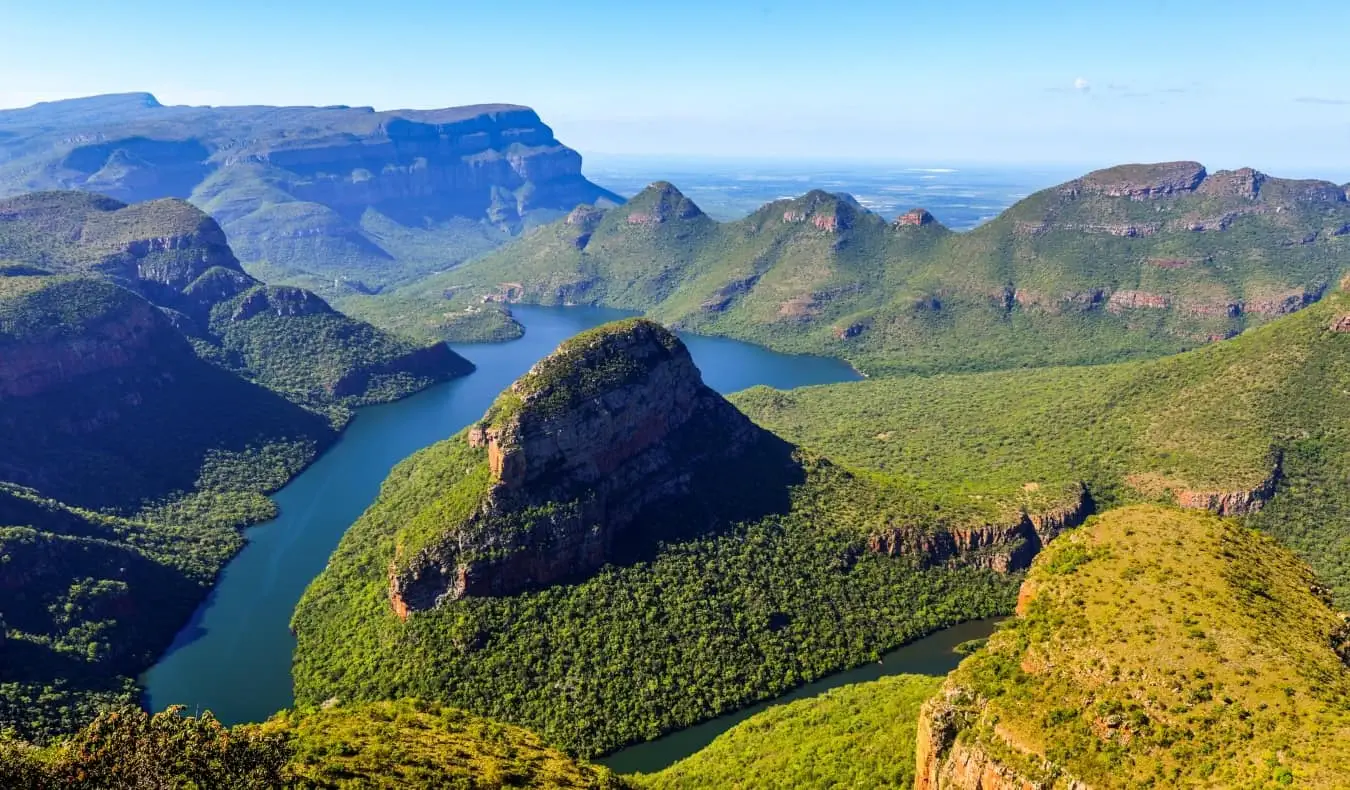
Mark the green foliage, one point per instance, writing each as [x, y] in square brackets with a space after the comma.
[1221, 419]
[388, 744]
[141, 454]
[415, 744]
[695, 628]
[130, 748]
[316, 358]
[1185, 650]
[858, 736]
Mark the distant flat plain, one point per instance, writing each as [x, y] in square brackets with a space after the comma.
[959, 196]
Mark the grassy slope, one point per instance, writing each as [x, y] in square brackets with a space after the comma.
[412, 744]
[1213, 419]
[857, 736]
[1160, 648]
[922, 299]
[381, 745]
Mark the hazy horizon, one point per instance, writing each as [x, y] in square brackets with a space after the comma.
[1041, 83]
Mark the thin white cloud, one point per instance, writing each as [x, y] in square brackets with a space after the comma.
[1082, 85]
[1321, 100]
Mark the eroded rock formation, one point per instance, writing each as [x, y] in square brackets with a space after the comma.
[1002, 547]
[612, 436]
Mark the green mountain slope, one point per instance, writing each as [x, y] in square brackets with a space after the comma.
[850, 737]
[1135, 261]
[615, 552]
[342, 199]
[176, 257]
[941, 480]
[1136, 664]
[1251, 426]
[151, 395]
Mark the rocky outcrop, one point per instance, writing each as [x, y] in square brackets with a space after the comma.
[1234, 503]
[1341, 323]
[598, 443]
[914, 218]
[1242, 183]
[1003, 547]
[1285, 303]
[1134, 300]
[943, 761]
[1140, 182]
[821, 210]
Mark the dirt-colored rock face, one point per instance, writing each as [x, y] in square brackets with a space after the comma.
[1000, 547]
[914, 218]
[612, 428]
[1133, 300]
[1234, 503]
[1245, 182]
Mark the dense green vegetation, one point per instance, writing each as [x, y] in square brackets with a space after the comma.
[691, 629]
[1218, 419]
[319, 355]
[858, 736]
[1160, 649]
[389, 744]
[1070, 275]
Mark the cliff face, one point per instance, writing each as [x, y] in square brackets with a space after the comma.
[1002, 547]
[596, 444]
[337, 190]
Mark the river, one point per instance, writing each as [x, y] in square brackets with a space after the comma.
[234, 656]
[933, 655]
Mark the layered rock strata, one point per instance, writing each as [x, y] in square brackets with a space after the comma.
[605, 439]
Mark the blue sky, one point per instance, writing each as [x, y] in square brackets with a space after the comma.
[1229, 83]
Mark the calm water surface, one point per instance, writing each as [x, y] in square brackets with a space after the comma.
[234, 656]
[933, 655]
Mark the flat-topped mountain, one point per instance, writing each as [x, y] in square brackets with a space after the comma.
[323, 194]
[1132, 261]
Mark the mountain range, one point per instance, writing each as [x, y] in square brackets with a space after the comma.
[1128, 262]
[345, 199]
[1117, 412]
